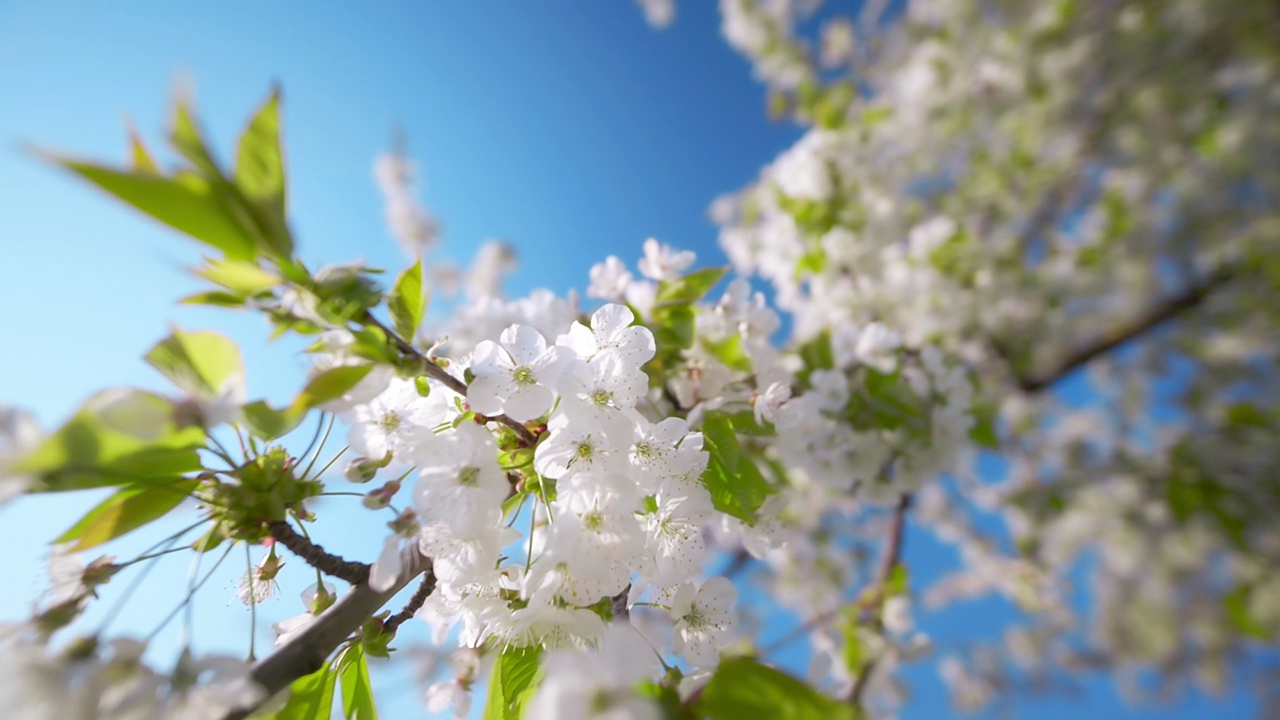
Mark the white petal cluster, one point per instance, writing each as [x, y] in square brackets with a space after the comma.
[110, 682]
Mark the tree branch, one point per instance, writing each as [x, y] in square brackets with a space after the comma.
[307, 652]
[1155, 316]
[892, 556]
[428, 586]
[434, 371]
[316, 556]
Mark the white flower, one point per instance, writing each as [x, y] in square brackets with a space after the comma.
[896, 615]
[258, 584]
[658, 13]
[662, 262]
[704, 620]
[598, 684]
[609, 279]
[386, 569]
[602, 394]
[831, 388]
[768, 406]
[876, 347]
[551, 623]
[673, 534]
[19, 435]
[461, 558]
[409, 223]
[395, 422]
[512, 375]
[449, 694]
[573, 445]
[459, 479]
[611, 329]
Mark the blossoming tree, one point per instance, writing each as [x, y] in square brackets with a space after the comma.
[991, 198]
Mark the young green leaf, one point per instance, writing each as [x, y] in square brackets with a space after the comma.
[267, 423]
[310, 697]
[329, 385]
[743, 688]
[186, 138]
[407, 302]
[103, 445]
[259, 170]
[198, 362]
[690, 288]
[185, 202]
[244, 278]
[128, 509]
[512, 683]
[357, 691]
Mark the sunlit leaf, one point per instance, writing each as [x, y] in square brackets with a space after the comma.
[742, 689]
[407, 302]
[126, 510]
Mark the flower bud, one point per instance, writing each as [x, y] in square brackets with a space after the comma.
[362, 470]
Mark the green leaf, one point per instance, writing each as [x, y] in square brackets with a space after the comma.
[310, 697]
[744, 423]
[853, 651]
[743, 688]
[983, 432]
[215, 298]
[717, 429]
[1246, 414]
[267, 423]
[897, 582]
[735, 483]
[259, 162]
[730, 352]
[259, 181]
[117, 438]
[329, 385]
[357, 691]
[186, 138]
[816, 355]
[244, 278]
[138, 153]
[1236, 603]
[690, 288]
[126, 510]
[673, 326]
[736, 491]
[198, 362]
[512, 683]
[186, 202]
[407, 302]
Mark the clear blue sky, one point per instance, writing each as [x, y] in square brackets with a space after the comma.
[570, 129]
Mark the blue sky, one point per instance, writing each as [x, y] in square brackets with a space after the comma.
[570, 129]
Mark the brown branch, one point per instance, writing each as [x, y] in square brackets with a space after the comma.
[892, 556]
[316, 556]
[428, 586]
[307, 651]
[434, 371]
[1155, 316]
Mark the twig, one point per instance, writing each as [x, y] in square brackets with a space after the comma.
[432, 370]
[892, 556]
[307, 651]
[317, 557]
[393, 623]
[1155, 316]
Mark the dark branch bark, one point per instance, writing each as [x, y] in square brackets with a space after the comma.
[308, 651]
[892, 556]
[434, 371]
[428, 586]
[1154, 317]
[316, 556]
